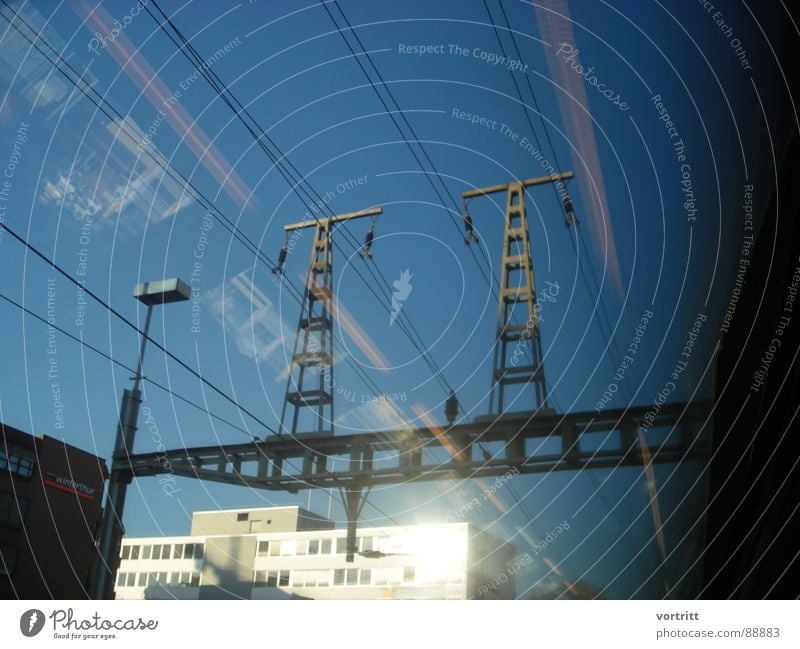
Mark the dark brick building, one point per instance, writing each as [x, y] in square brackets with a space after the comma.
[50, 509]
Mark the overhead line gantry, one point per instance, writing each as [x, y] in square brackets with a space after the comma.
[517, 296]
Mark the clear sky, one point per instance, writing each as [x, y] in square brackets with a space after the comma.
[81, 191]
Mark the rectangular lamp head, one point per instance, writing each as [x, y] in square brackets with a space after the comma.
[162, 291]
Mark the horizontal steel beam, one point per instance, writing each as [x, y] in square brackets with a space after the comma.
[530, 182]
[307, 457]
[334, 219]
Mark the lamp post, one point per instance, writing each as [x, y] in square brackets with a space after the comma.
[150, 294]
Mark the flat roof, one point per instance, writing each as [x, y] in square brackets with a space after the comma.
[256, 509]
[12, 431]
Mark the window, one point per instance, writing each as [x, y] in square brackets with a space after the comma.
[288, 548]
[126, 552]
[198, 550]
[142, 579]
[310, 578]
[8, 559]
[302, 548]
[178, 551]
[275, 578]
[134, 552]
[263, 549]
[166, 551]
[188, 551]
[121, 577]
[260, 578]
[130, 580]
[242, 517]
[409, 574]
[366, 543]
[195, 579]
[13, 510]
[313, 547]
[325, 547]
[17, 461]
[274, 548]
[389, 576]
[341, 545]
[349, 577]
[147, 551]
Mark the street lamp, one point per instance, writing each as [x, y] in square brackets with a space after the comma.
[163, 291]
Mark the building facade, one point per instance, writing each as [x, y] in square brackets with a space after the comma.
[50, 508]
[290, 553]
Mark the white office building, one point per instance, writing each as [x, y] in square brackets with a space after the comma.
[291, 553]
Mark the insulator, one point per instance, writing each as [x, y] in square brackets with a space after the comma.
[278, 270]
[451, 408]
[366, 251]
[469, 227]
[570, 210]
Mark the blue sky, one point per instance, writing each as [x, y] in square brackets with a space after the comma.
[286, 62]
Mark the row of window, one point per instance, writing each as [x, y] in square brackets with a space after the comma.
[13, 510]
[395, 576]
[17, 461]
[177, 551]
[312, 547]
[338, 577]
[145, 579]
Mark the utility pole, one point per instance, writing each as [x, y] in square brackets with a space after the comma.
[150, 294]
[517, 298]
[310, 383]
